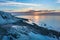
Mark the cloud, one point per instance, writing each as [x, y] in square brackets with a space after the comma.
[18, 6]
[10, 3]
[58, 1]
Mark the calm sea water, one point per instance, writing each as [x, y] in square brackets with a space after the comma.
[52, 22]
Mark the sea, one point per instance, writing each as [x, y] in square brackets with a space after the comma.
[47, 21]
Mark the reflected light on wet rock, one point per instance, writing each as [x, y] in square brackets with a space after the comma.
[15, 26]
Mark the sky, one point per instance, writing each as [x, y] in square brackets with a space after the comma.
[24, 5]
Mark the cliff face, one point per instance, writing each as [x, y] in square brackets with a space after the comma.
[13, 28]
[6, 18]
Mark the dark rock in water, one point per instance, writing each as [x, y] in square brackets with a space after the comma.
[41, 30]
[46, 32]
